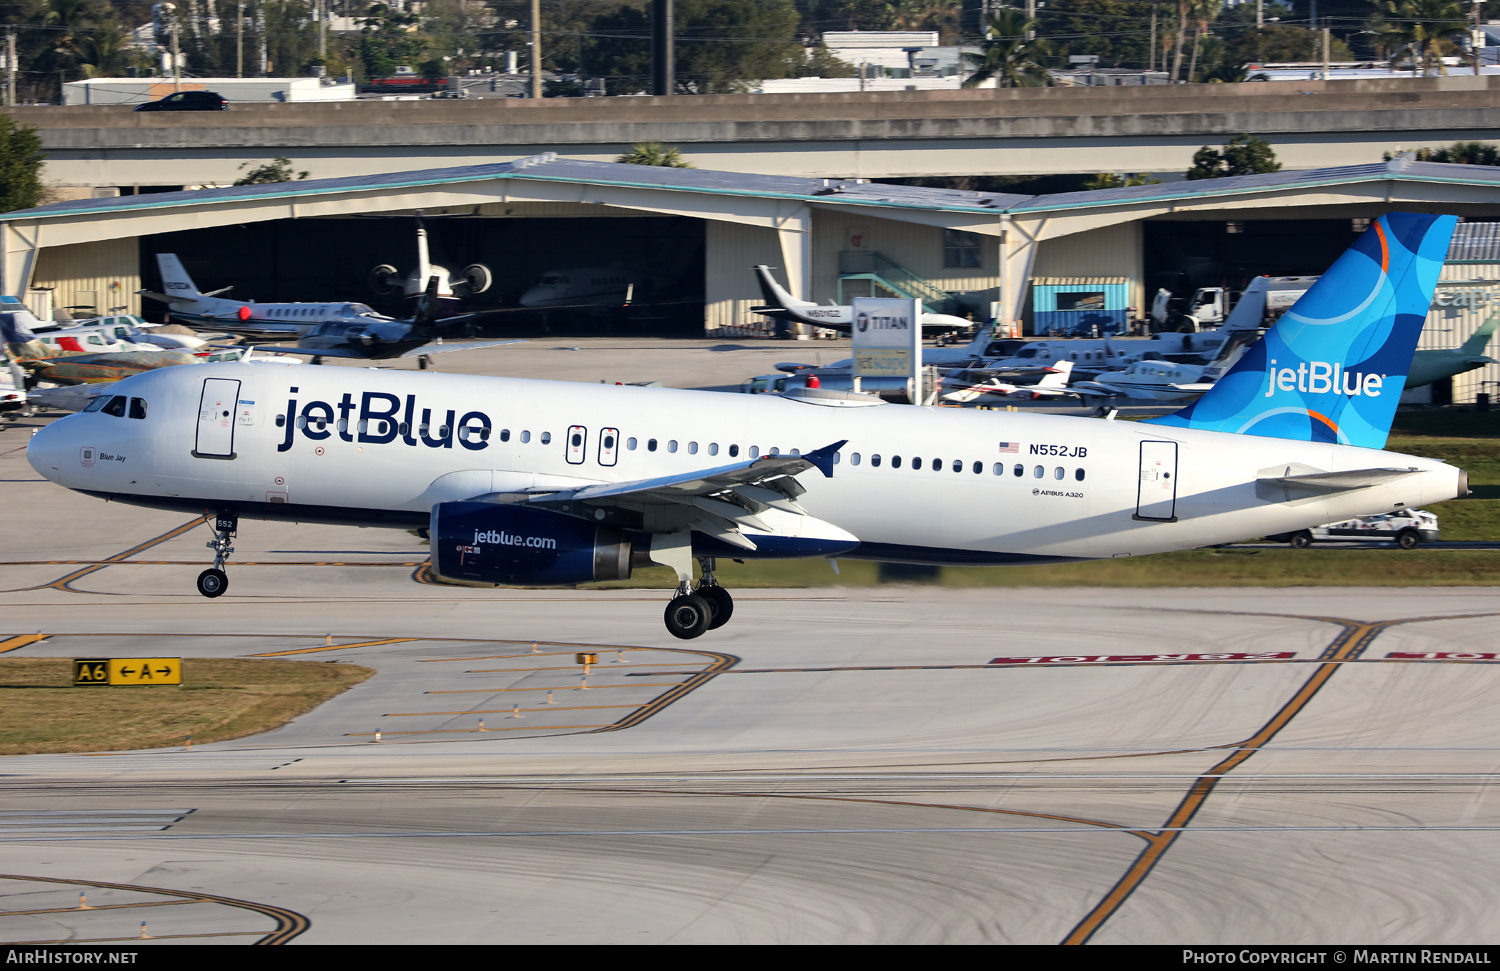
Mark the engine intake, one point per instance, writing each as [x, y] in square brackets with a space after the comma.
[491, 542]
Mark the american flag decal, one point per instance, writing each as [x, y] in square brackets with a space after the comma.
[1010, 447]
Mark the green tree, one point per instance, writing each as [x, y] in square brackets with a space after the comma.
[20, 166]
[386, 43]
[1117, 180]
[721, 45]
[1459, 153]
[279, 169]
[1007, 55]
[1418, 33]
[1118, 32]
[654, 153]
[1241, 155]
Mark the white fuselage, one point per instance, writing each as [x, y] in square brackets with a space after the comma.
[1082, 487]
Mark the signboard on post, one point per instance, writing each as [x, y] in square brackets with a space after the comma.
[887, 338]
[116, 671]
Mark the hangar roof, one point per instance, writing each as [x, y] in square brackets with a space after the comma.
[549, 167]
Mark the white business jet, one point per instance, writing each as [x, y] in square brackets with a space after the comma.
[537, 482]
[265, 321]
[781, 305]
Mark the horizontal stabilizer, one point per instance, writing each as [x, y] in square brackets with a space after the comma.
[1338, 481]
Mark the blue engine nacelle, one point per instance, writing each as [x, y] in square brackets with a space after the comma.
[489, 542]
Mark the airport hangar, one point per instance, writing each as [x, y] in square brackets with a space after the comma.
[986, 252]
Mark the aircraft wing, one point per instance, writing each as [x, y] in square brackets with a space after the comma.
[437, 348]
[350, 354]
[719, 500]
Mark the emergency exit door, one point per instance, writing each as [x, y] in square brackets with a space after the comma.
[216, 411]
[1156, 495]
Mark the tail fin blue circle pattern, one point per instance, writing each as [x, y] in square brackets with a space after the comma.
[1333, 367]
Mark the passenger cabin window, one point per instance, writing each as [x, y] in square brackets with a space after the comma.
[895, 461]
[734, 451]
[546, 438]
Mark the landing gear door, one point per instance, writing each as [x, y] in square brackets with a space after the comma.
[216, 414]
[1156, 495]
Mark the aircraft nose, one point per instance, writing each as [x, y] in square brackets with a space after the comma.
[47, 450]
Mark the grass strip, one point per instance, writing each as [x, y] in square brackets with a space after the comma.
[41, 711]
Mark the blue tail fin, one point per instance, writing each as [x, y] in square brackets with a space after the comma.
[1333, 367]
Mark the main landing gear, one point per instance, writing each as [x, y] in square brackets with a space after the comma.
[697, 609]
[213, 582]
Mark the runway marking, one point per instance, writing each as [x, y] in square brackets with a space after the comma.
[289, 923]
[566, 687]
[564, 667]
[1349, 645]
[722, 663]
[495, 711]
[477, 731]
[74, 910]
[21, 640]
[61, 583]
[335, 647]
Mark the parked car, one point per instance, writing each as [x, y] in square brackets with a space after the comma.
[1407, 528]
[188, 101]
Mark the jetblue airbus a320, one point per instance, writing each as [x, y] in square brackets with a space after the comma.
[535, 482]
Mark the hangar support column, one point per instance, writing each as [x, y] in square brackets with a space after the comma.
[18, 257]
[1018, 244]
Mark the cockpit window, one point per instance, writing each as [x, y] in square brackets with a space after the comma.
[116, 406]
[137, 407]
[98, 403]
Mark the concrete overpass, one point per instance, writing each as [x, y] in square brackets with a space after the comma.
[1023, 131]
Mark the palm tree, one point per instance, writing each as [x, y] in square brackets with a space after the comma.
[1203, 13]
[1008, 55]
[654, 153]
[102, 52]
[1423, 30]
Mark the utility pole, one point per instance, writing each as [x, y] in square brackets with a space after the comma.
[323, 30]
[663, 63]
[536, 48]
[176, 70]
[1327, 43]
[1153, 38]
[10, 69]
[1260, 14]
[1475, 36]
[239, 40]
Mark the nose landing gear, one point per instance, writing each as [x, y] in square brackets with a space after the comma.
[695, 610]
[213, 582]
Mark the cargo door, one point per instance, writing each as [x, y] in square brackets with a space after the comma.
[216, 419]
[1156, 494]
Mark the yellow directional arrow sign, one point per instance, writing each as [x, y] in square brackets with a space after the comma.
[129, 670]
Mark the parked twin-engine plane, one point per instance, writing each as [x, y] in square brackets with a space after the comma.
[537, 482]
